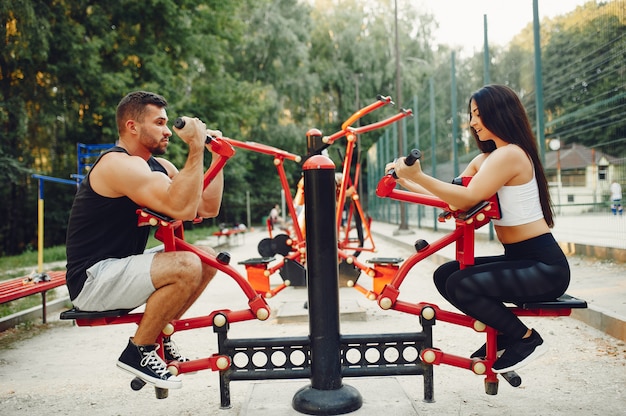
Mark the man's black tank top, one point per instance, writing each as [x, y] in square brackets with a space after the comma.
[101, 228]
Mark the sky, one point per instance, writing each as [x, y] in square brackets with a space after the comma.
[461, 21]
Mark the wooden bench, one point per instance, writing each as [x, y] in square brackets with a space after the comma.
[21, 287]
[228, 233]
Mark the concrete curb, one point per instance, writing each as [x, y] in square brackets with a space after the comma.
[603, 320]
[608, 253]
[34, 313]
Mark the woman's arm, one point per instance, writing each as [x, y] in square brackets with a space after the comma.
[490, 172]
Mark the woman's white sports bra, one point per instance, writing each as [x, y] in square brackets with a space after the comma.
[519, 204]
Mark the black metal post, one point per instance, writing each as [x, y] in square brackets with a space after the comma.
[326, 395]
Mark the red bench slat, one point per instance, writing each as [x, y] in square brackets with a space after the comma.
[16, 288]
[228, 233]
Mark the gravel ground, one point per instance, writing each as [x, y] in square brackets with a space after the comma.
[63, 369]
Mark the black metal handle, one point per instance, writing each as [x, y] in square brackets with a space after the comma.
[412, 157]
[179, 123]
[410, 160]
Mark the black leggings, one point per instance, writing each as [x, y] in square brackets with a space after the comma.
[530, 271]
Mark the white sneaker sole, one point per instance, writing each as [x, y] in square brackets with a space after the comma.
[539, 351]
[173, 382]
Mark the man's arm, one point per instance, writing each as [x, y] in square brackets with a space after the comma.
[119, 174]
[211, 200]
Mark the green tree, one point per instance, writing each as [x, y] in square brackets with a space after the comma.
[271, 65]
[24, 53]
[65, 65]
[268, 71]
[585, 96]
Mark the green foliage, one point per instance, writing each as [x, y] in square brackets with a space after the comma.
[27, 262]
[268, 71]
[586, 103]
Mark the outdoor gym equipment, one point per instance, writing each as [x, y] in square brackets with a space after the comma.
[292, 245]
[171, 233]
[85, 154]
[290, 267]
[387, 292]
[326, 356]
[351, 134]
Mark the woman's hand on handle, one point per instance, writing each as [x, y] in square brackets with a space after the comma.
[409, 167]
[408, 172]
[403, 163]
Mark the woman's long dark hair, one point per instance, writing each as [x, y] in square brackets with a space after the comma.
[502, 112]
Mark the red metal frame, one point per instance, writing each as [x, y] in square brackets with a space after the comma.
[297, 240]
[463, 236]
[279, 158]
[351, 134]
[171, 233]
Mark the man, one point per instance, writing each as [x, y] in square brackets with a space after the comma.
[616, 198]
[106, 264]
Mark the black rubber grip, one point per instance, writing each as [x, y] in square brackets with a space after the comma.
[179, 123]
[409, 161]
[412, 157]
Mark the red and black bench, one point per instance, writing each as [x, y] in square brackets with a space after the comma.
[21, 287]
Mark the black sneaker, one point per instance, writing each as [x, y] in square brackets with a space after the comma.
[170, 351]
[144, 362]
[520, 353]
[502, 342]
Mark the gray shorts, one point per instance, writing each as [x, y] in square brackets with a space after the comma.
[117, 284]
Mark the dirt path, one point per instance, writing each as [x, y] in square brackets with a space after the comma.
[69, 370]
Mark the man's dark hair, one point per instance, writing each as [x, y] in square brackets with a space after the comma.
[133, 106]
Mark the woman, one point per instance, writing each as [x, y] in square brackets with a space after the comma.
[533, 267]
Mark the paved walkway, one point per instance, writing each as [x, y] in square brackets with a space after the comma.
[71, 370]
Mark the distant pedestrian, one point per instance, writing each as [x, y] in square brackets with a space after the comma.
[616, 198]
[275, 218]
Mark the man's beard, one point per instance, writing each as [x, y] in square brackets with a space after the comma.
[160, 149]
